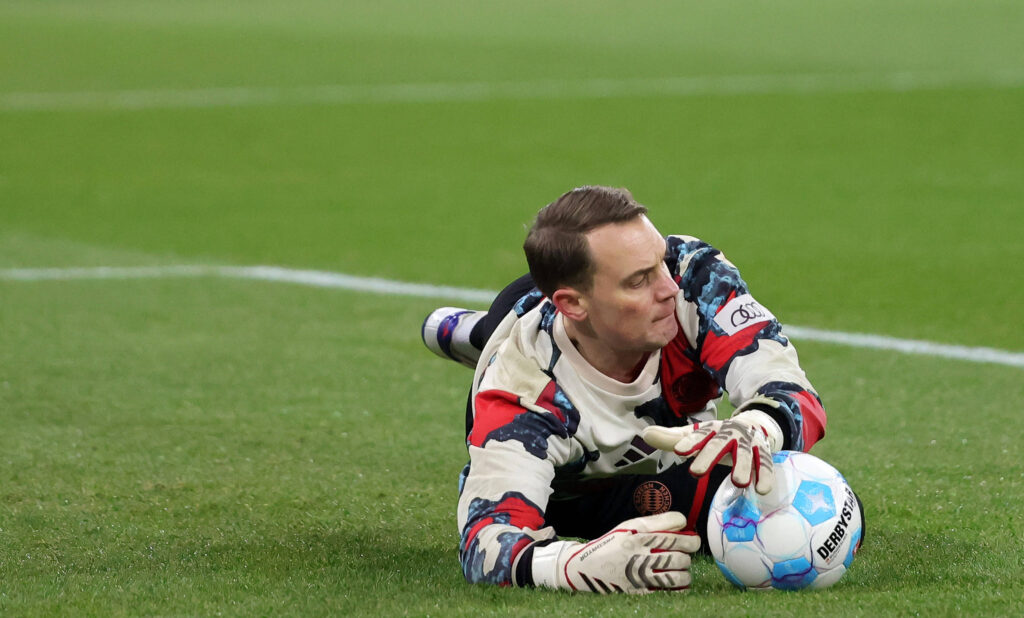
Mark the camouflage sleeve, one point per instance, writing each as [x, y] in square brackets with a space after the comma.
[740, 343]
[506, 485]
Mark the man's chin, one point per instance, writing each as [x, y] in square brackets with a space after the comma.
[666, 334]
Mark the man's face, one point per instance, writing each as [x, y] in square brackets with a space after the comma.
[631, 303]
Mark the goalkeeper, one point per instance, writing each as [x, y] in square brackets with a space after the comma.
[592, 413]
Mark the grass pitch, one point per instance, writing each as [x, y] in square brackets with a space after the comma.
[200, 446]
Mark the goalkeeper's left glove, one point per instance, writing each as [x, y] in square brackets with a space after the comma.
[747, 441]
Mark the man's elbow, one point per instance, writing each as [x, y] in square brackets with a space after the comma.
[473, 563]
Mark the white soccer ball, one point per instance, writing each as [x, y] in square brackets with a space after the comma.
[804, 534]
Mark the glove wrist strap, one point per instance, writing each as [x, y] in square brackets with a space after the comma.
[547, 565]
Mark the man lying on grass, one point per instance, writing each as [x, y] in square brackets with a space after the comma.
[593, 408]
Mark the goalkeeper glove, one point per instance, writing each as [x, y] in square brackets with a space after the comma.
[746, 441]
[639, 556]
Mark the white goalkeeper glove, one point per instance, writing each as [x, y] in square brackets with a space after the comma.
[639, 556]
[746, 441]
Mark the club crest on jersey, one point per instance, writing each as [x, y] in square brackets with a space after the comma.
[651, 498]
[741, 312]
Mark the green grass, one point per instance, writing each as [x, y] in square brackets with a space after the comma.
[202, 446]
[207, 446]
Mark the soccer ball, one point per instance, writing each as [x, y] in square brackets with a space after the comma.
[803, 534]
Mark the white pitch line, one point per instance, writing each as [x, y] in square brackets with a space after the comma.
[908, 346]
[433, 92]
[277, 274]
[326, 279]
[374, 285]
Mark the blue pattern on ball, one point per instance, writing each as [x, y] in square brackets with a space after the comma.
[781, 456]
[740, 521]
[793, 574]
[814, 501]
[854, 544]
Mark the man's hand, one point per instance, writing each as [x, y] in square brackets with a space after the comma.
[746, 441]
[639, 556]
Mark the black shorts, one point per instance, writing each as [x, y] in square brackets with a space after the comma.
[611, 501]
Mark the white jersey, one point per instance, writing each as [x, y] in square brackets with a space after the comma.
[546, 422]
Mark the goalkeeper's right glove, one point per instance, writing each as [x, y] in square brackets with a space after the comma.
[639, 556]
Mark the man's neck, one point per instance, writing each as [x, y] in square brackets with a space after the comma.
[614, 364]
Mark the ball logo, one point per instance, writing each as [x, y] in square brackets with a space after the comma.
[651, 498]
[835, 538]
[741, 312]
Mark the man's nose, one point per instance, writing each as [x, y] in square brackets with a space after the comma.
[667, 287]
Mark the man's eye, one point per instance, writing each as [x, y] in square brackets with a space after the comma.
[640, 281]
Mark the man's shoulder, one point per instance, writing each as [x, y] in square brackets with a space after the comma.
[684, 253]
[695, 263]
[516, 396]
[682, 244]
[520, 352]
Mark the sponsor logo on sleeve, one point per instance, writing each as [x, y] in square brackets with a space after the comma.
[741, 312]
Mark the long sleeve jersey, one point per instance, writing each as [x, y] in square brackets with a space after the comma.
[544, 420]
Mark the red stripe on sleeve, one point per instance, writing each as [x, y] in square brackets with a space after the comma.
[814, 418]
[719, 350]
[486, 521]
[521, 513]
[494, 409]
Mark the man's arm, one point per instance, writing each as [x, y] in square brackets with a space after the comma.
[505, 489]
[739, 343]
[505, 486]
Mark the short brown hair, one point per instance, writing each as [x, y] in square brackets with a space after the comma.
[556, 246]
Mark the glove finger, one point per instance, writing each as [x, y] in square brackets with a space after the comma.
[667, 521]
[765, 472]
[710, 454]
[664, 438]
[699, 436]
[689, 439]
[668, 580]
[672, 543]
[678, 541]
[669, 561]
[655, 572]
[742, 467]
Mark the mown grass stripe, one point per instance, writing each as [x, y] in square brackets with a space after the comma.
[594, 88]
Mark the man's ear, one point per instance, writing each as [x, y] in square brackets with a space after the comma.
[570, 303]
